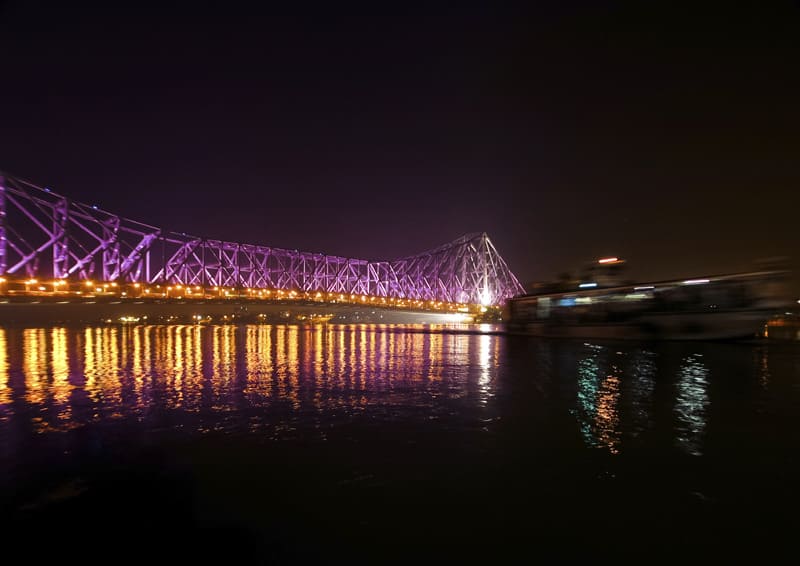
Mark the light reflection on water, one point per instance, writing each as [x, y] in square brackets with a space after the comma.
[5, 391]
[248, 378]
[598, 398]
[691, 403]
[335, 430]
[137, 370]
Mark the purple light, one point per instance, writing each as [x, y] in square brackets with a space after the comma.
[86, 245]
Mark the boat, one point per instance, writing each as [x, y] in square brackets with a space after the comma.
[719, 307]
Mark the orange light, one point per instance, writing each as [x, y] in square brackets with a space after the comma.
[608, 260]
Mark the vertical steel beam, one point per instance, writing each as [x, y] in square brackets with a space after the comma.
[61, 238]
[111, 262]
[3, 237]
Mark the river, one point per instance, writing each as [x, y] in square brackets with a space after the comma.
[366, 444]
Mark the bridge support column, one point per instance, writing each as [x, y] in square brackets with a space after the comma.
[3, 238]
[111, 261]
[60, 239]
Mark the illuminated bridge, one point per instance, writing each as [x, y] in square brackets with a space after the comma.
[46, 237]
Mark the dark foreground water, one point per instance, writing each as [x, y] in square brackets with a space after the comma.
[375, 444]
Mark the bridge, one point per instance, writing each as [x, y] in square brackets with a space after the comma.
[50, 243]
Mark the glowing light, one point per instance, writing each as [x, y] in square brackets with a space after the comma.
[587, 285]
[643, 288]
[608, 260]
[696, 281]
[458, 317]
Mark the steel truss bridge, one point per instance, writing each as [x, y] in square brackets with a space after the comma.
[43, 234]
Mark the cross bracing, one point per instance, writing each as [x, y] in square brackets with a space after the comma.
[43, 234]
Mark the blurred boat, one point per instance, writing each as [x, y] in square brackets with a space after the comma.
[704, 308]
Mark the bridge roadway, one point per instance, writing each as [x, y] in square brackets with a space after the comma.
[48, 309]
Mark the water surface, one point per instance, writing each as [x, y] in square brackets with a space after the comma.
[380, 443]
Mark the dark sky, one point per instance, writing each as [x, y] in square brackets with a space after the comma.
[655, 131]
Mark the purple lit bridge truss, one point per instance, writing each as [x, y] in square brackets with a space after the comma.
[43, 234]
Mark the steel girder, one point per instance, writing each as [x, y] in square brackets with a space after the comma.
[467, 270]
[43, 234]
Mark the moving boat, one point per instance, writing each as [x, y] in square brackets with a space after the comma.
[704, 308]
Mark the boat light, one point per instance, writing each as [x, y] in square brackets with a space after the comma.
[696, 281]
[587, 285]
[608, 260]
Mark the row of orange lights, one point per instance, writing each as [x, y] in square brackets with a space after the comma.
[200, 292]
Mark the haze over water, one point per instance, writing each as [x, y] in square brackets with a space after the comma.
[381, 443]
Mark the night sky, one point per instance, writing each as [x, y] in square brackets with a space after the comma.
[654, 131]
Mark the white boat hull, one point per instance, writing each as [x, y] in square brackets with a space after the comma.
[660, 326]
